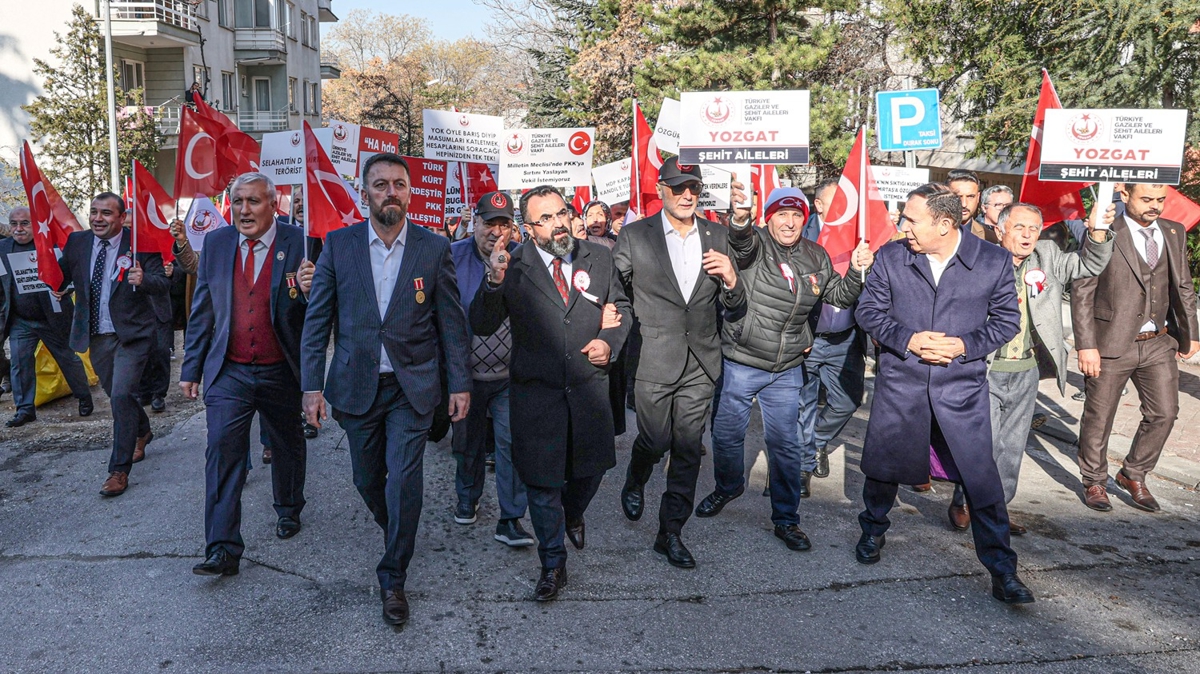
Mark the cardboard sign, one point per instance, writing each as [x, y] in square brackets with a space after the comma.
[282, 157]
[752, 127]
[666, 129]
[202, 218]
[895, 182]
[428, 189]
[461, 136]
[909, 120]
[612, 181]
[25, 273]
[1130, 146]
[532, 157]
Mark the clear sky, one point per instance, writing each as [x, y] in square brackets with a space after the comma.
[450, 19]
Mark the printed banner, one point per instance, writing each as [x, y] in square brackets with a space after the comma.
[895, 182]
[755, 127]
[370, 143]
[612, 181]
[718, 184]
[454, 195]
[532, 157]
[1131, 146]
[666, 129]
[282, 157]
[461, 136]
[25, 273]
[340, 140]
[428, 188]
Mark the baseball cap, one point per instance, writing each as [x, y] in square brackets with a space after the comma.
[673, 173]
[785, 197]
[494, 205]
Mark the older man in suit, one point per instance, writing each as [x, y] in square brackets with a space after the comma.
[244, 342]
[678, 269]
[1132, 322]
[116, 317]
[29, 317]
[391, 286]
[939, 304]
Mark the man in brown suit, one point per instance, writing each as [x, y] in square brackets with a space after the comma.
[1131, 322]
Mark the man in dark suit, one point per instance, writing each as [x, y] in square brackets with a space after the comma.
[116, 317]
[939, 304]
[1131, 322]
[678, 272]
[29, 317]
[554, 296]
[392, 289]
[243, 340]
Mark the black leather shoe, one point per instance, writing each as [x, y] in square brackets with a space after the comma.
[395, 607]
[793, 537]
[219, 563]
[867, 550]
[677, 553]
[805, 478]
[20, 419]
[1009, 589]
[712, 504]
[86, 407]
[550, 582]
[632, 500]
[310, 431]
[287, 527]
[575, 532]
[822, 470]
[157, 404]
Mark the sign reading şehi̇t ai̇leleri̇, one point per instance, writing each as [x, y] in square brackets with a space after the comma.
[736, 127]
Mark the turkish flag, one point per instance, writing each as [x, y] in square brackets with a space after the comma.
[1058, 201]
[857, 211]
[583, 194]
[153, 210]
[197, 170]
[237, 152]
[764, 179]
[643, 172]
[1181, 209]
[52, 220]
[476, 180]
[332, 204]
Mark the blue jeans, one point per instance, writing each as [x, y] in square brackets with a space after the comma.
[779, 399]
[470, 447]
[838, 363]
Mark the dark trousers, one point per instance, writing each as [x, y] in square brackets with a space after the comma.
[157, 377]
[387, 451]
[119, 366]
[231, 401]
[470, 447]
[24, 338]
[670, 419]
[837, 363]
[550, 508]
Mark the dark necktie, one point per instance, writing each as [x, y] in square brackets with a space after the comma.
[97, 287]
[1151, 248]
[248, 265]
[560, 281]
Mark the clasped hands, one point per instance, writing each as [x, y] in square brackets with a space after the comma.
[936, 347]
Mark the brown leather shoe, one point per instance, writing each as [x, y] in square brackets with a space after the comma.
[139, 451]
[1137, 490]
[116, 484]
[1015, 529]
[395, 607]
[960, 517]
[922, 488]
[1096, 499]
[266, 460]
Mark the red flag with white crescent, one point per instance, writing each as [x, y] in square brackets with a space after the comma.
[1058, 201]
[237, 152]
[52, 219]
[476, 180]
[643, 173]
[197, 170]
[153, 210]
[332, 204]
[764, 179]
[857, 211]
[583, 194]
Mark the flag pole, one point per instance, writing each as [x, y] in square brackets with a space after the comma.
[304, 205]
[637, 174]
[862, 196]
[134, 237]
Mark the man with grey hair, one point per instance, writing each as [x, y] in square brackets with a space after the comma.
[1041, 272]
[994, 199]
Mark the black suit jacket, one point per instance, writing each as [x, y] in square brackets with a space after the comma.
[135, 313]
[60, 321]
[668, 320]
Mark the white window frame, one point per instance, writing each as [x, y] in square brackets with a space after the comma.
[228, 91]
[254, 94]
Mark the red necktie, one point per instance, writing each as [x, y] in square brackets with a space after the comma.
[248, 266]
[560, 281]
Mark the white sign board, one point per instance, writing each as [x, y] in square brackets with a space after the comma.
[717, 185]
[666, 129]
[1131, 146]
[454, 195]
[612, 181]
[202, 218]
[25, 273]
[895, 182]
[340, 140]
[283, 157]
[461, 136]
[752, 127]
[532, 157]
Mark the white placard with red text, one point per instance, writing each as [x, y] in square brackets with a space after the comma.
[1130, 146]
[532, 157]
[461, 136]
[735, 127]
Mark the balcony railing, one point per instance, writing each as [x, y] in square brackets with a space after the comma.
[171, 12]
[167, 117]
[262, 121]
[259, 39]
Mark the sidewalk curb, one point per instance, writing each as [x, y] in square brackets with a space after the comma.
[1170, 468]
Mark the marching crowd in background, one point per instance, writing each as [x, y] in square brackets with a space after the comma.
[528, 342]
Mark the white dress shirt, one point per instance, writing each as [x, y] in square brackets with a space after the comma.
[385, 267]
[548, 260]
[938, 267]
[686, 256]
[260, 252]
[1139, 243]
[110, 270]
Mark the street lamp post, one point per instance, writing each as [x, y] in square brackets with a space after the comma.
[113, 162]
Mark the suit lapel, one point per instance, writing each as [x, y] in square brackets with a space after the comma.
[1124, 245]
[362, 266]
[658, 243]
[231, 268]
[705, 233]
[539, 274]
[278, 264]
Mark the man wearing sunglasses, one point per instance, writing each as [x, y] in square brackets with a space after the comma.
[677, 270]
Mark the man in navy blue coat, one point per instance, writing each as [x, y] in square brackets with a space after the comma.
[243, 340]
[932, 387]
[392, 288]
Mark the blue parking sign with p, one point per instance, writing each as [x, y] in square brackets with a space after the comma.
[908, 120]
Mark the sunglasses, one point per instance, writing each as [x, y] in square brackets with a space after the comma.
[694, 188]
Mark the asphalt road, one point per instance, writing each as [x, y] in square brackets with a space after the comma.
[98, 584]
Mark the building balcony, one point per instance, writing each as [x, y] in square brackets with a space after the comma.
[330, 70]
[325, 9]
[260, 121]
[167, 117]
[262, 45]
[154, 23]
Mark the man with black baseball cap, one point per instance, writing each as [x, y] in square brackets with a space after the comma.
[489, 375]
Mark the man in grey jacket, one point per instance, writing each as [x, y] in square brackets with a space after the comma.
[1042, 270]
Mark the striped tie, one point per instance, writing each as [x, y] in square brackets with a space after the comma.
[1151, 247]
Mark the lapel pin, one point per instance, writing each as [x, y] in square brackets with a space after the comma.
[279, 256]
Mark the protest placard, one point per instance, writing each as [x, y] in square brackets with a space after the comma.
[454, 195]
[717, 185]
[427, 188]
[340, 140]
[895, 182]
[370, 143]
[282, 158]
[533, 157]
[461, 136]
[1108, 145]
[666, 129]
[754, 127]
[25, 273]
[612, 181]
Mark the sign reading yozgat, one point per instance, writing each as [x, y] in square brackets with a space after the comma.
[753, 127]
[532, 157]
[908, 120]
[1131, 146]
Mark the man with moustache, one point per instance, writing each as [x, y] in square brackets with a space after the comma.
[677, 268]
[1133, 322]
[993, 201]
[554, 290]
[390, 285]
[116, 317]
[243, 340]
[967, 186]
[26, 319]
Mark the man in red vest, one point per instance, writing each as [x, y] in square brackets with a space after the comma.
[243, 338]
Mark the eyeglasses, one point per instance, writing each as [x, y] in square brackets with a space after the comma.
[694, 188]
[551, 218]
